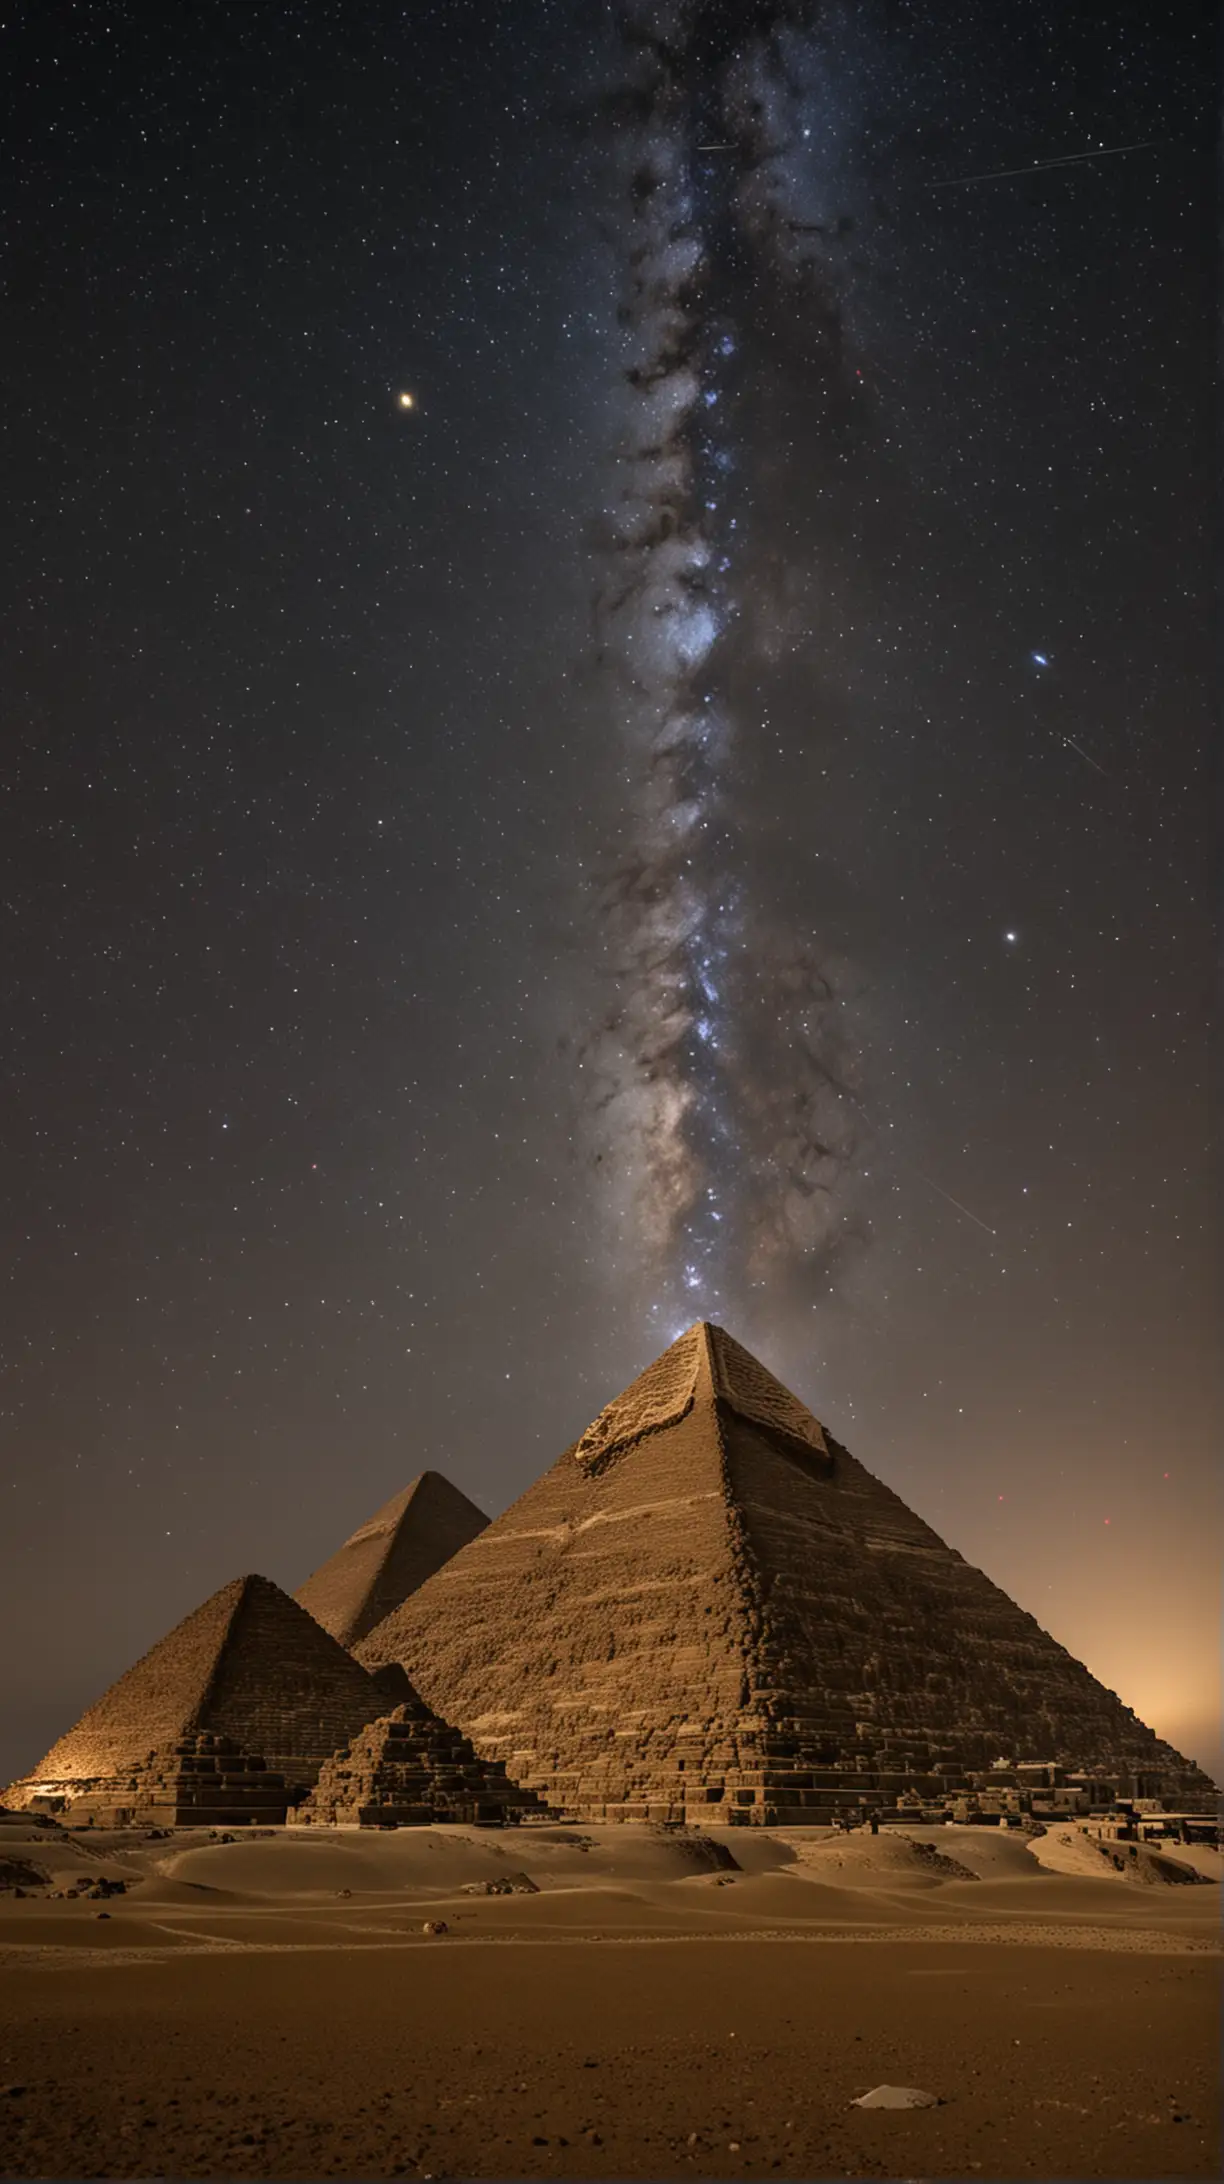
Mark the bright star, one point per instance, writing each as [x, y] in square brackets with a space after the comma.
[1041, 658]
[406, 400]
[1012, 937]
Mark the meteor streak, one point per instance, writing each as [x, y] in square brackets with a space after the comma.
[1041, 166]
[931, 1185]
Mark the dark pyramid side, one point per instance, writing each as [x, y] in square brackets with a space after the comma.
[386, 1558]
[249, 1678]
[707, 1607]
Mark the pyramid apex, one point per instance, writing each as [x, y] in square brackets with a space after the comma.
[703, 1365]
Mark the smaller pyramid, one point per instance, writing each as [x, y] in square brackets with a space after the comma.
[409, 1538]
[249, 1667]
[411, 1768]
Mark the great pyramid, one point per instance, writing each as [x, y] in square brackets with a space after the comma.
[707, 1606]
[410, 1768]
[249, 1668]
[409, 1538]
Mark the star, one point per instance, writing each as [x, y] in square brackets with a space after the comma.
[405, 400]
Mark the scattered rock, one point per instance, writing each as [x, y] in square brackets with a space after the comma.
[19, 1875]
[11, 2092]
[506, 1884]
[101, 1914]
[897, 2096]
[435, 1926]
[939, 1862]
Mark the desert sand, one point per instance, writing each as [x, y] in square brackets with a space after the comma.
[655, 2004]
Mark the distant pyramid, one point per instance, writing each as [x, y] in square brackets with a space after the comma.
[708, 1606]
[410, 1768]
[250, 1668]
[411, 1536]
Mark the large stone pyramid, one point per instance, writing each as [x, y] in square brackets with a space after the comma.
[409, 1538]
[249, 1668]
[707, 1607]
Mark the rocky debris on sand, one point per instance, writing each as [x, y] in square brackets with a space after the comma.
[435, 1926]
[18, 1875]
[897, 2096]
[506, 1884]
[939, 1862]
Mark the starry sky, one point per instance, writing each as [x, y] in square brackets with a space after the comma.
[332, 814]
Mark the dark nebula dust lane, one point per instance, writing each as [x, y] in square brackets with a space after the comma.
[720, 1074]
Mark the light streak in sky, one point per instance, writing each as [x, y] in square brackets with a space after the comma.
[932, 1185]
[1042, 166]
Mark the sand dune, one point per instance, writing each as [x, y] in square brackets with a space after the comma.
[645, 2003]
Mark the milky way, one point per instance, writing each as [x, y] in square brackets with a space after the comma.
[722, 1066]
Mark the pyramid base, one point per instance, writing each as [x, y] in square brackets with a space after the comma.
[391, 1815]
[790, 1798]
[201, 1781]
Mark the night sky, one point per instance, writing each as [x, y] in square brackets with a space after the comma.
[364, 1106]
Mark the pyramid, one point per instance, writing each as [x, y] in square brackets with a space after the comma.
[708, 1609]
[387, 1558]
[408, 1769]
[250, 1668]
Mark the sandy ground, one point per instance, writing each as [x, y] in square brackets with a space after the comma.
[272, 2007]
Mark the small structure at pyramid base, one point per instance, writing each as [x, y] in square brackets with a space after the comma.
[200, 1781]
[410, 1769]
